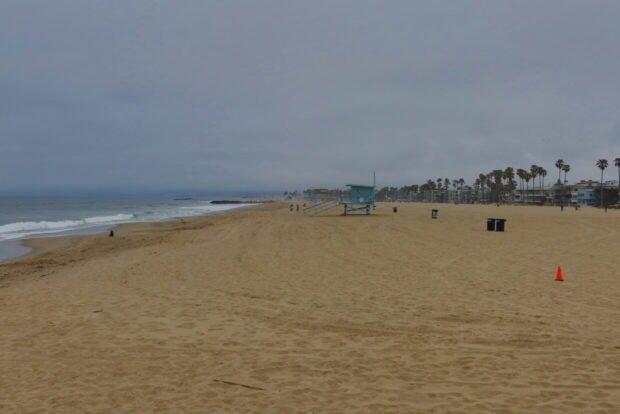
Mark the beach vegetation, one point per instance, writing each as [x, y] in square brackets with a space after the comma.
[566, 169]
[602, 164]
[617, 164]
[559, 164]
[496, 186]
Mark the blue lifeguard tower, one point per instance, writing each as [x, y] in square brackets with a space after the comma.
[362, 199]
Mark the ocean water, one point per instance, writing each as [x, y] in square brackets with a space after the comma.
[28, 217]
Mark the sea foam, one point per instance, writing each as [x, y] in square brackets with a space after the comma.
[26, 229]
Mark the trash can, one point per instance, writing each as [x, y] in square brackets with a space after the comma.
[395, 209]
[499, 224]
[434, 214]
[490, 224]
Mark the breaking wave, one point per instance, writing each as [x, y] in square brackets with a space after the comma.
[25, 229]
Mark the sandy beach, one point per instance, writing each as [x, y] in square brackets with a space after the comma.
[264, 310]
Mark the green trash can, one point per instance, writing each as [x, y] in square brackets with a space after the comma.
[434, 214]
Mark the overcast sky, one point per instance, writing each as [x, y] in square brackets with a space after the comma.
[147, 95]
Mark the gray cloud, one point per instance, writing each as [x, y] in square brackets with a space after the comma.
[272, 95]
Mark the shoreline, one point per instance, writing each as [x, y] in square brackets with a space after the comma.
[51, 243]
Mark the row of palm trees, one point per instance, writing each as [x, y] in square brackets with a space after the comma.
[441, 184]
[539, 172]
[602, 165]
[500, 181]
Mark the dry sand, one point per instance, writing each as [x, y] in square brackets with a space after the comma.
[263, 310]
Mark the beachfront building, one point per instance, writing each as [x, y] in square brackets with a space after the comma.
[610, 184]
[436, 196]
[558, 194]
[534, 195]
[466, 195]
[480, 195]
[458, 196]
[583, 193]
[585, 197]
[561, 194]
[611, 195]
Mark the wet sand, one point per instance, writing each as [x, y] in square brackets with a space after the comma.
[264, 310]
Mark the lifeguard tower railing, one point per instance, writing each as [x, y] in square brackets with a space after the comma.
[321, 206]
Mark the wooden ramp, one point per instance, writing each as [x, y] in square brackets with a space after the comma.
[322, 206]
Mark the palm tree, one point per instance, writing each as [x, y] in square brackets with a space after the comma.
[559, 164]
[461, 182]
[521, 174]
[527, 176]
[602, 164]
[617, 164]
[509, 176]
[566, 169]
[490, 185]
[497, 175]
[543, 173]
[534, 173]
[483, 181]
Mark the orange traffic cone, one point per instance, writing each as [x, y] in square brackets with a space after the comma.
[558, 276]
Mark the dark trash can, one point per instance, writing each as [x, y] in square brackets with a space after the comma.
[395, 209]
[490, 224]
[499, 224]
[434, 214]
